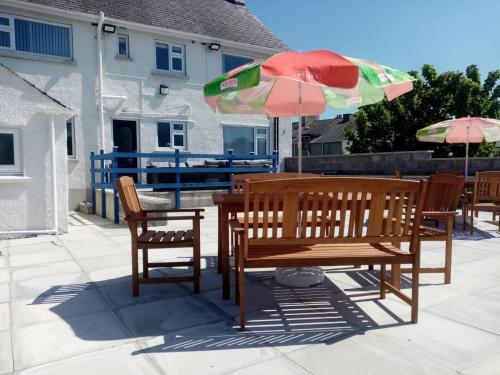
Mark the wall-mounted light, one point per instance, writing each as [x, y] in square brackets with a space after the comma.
[214, 46]
[164, 90]
[108, 28]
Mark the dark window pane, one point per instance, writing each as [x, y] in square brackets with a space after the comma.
[6, 149]
[231, 62]
[178, 140]
[239, 139]
[178, 127]
[69, 138]
[36, 37]
[122, 46]
[176, 49]
[4, 21]
[4, 39]
[261, 146]
[163, 134]
[162, 56]
[177, 64]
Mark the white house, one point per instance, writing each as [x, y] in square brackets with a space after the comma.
[134, 71]
[33, 166]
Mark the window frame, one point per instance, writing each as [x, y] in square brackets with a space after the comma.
[171, 56]
[127, 45]
[255, 136]
[73, 138]
[17, 167]
[223, 65]
[173, 132]
[11, 27]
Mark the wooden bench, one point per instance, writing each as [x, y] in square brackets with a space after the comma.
[344, 239]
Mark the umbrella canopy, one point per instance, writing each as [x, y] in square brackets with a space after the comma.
[376, 81]
[463, 130]
[278, 85]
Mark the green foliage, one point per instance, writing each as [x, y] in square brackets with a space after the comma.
[391, 126]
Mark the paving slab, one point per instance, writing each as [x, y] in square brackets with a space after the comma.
[61, 304]
[33, 288]
[116, 360]
[4, 316]
[37, 257]
[66, 338]
[6, 362]
[280, 365]
[207, 349]
[4, 275]
[3, 259]
[36, 271]
[4, 293]
[490, 366]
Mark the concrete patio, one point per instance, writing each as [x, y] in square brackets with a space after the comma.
[66, 308]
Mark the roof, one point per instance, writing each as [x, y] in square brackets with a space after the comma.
[51, 98]
[219, 19]
[328, 130]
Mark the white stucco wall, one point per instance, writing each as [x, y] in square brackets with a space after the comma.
[75, 85]
[26, 198]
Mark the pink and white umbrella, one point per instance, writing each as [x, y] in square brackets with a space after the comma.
[462, 130]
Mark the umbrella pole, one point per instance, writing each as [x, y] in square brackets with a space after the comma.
[467, 151]
[299, 133]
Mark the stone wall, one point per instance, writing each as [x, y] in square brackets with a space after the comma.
[416, 163]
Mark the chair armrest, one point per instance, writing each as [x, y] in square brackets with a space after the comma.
[159, 218]
[196, 210]
[438, 213]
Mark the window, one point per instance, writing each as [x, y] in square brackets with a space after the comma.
[70, 138]
[10, 156]
[245, 140]
[123, 49]
[171, 135]
[230, 62]
[169, 57]
[42, 38]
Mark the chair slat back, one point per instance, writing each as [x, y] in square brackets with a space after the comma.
[239, 179]
[487, 187]
[128, 197]
[443, 193]
[332, 210]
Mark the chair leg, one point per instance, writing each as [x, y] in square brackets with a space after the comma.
[241, 293]
[415, 276]
[471, 221]
[135, 270]
[464, 216]
[448, 254]
[145, 263]
[382, 281]
[196, 267]
[370, 267]
[396, 276]
[236, 277]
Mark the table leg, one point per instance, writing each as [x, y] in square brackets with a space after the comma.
[224, 255]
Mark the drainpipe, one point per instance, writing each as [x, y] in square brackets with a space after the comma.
[100, 93]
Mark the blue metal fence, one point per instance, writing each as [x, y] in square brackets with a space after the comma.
[106, 165]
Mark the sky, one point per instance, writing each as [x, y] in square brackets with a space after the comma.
[404, 34]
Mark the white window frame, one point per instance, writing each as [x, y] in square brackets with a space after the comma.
[16, 168]
[171, 56]
[73, 141]
[127, 44]
[255, 135]
[173, 132]
[223, 68]
[11, 29]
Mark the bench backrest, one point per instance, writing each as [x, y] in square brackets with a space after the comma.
[129, 199]
[443, 193]
[487, 187]
[239, 179]
[332, 210]
[455, 172]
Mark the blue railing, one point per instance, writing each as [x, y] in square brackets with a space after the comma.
[104, 170]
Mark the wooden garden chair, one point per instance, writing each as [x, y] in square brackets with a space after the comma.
[486, 197]
[238, 180]
[440, 205]
[144, 239]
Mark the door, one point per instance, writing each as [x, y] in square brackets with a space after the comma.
[125, 138]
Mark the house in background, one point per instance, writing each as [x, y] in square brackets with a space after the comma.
[134, 74]
[323, 137]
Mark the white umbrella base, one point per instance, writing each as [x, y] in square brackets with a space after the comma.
[299, 277]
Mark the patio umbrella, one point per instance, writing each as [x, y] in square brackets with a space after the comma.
[463, 130]
[284, 85]
[376, 81]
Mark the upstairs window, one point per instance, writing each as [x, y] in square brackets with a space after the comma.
[170, 57]
[230, 62]
[123, 48]
[10, 154]
[171, 135]
[37, 37]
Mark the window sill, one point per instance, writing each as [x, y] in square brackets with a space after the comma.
[72, 159]
[124, 58]
[13, 179]
[168, 73]
[34, 57]
[168, 149]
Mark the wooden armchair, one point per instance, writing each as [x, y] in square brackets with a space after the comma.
[441, 202]
[486, 197]
[137, 219]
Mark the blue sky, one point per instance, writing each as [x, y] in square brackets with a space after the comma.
[405, 34]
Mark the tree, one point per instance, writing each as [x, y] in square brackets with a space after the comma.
[392, 125]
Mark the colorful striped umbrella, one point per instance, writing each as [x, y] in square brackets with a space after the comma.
[462, 130]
